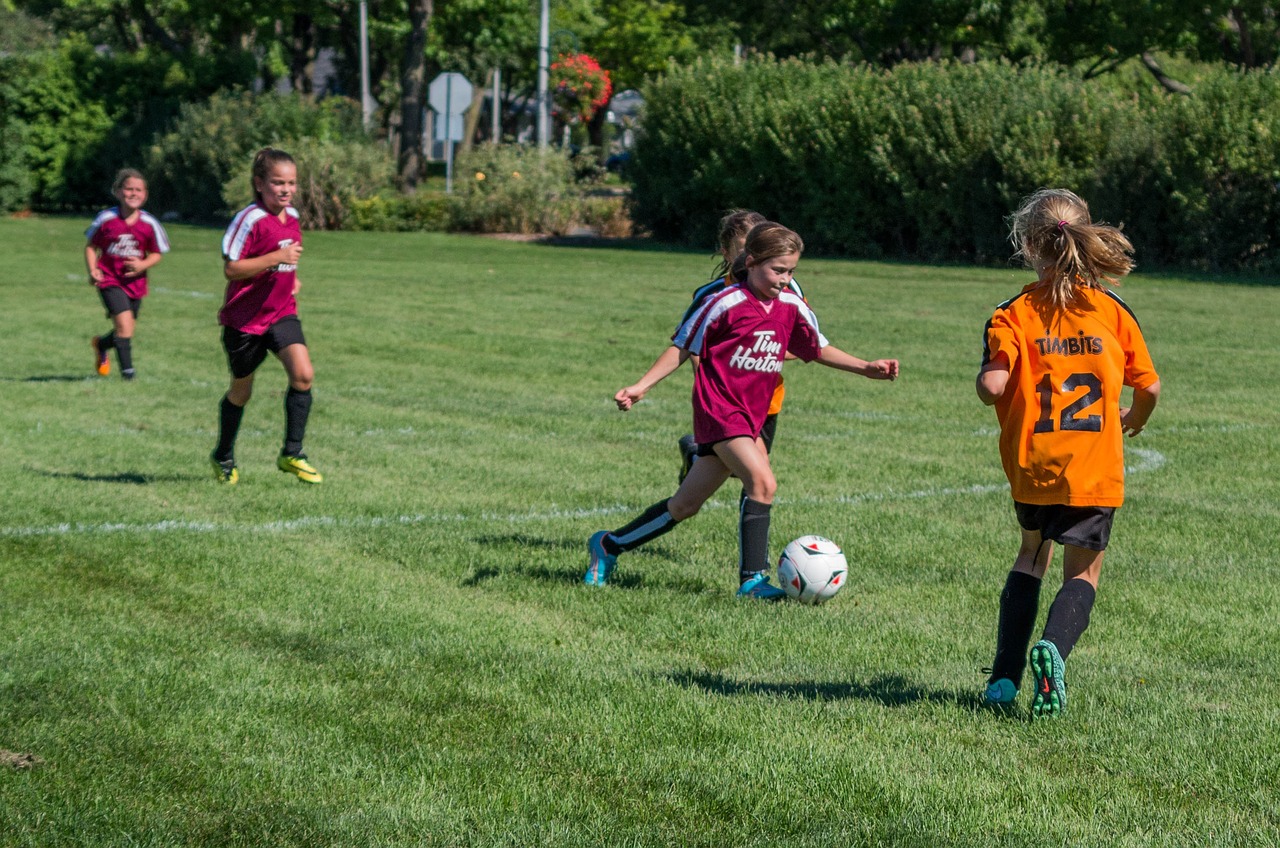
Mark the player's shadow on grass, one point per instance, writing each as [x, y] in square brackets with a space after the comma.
[47, 378]
[128, 478]
[573, 553]
[890, 690]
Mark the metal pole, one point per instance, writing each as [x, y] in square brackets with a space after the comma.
[366, 99]
[497, 105]
[544, 64]
[448, 135]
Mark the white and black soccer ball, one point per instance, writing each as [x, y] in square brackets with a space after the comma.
[812, 569]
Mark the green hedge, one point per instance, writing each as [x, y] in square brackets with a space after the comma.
[925, 161]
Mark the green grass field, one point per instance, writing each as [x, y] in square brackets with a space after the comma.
[405, 656]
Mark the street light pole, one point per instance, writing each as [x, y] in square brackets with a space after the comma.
[366, 99]
[544, 63]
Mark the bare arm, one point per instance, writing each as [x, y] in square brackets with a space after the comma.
[138, 267]
[879, 369]
[243, 269]
[665, 365]
[1133, 419]
[992, 379]
[91, 263]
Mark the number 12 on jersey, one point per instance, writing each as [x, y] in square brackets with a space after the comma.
[1071, 417]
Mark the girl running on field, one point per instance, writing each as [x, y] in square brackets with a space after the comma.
[733, 236]
[261, 249]
[1054, 361]
[123, 243]
[741, 336]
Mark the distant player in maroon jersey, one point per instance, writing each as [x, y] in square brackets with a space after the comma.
[123, 243]
[741, 335]
[261, 249]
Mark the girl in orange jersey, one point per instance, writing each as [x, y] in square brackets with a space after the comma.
[1054, 361]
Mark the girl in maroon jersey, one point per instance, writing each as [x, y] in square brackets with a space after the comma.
[123, 243]
[261, 249]
[741, 335]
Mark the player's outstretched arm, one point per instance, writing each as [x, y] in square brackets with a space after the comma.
[877, 369]
[1134, 418]
[666, 364]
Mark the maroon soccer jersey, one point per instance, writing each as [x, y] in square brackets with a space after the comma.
[255, 303]
[742, 341]
[118, 240]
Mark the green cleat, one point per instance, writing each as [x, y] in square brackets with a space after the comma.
[225, 472]
[1051, 691]
[299, 467]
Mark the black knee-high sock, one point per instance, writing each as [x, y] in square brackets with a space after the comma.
[108, 341]
[297, 408]
[645, 527]
[228, 426]
[753, 539]
[124, 353]
[1069, 615]
[1019, 603]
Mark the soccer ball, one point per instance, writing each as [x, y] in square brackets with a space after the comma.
[812, 569]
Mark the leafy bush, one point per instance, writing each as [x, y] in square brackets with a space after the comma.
[49, 132]
[209, 142]
[332, 178]
[926, 161]
[517, 189]
[391, 211]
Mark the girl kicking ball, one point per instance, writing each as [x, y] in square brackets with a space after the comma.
[741, 335]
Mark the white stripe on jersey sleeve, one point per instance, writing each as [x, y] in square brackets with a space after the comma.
[162, 238]
[238, 232]
[692, 334]
[103, 217]
[806, 313]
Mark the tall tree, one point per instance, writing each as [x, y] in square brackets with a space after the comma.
[413, 90]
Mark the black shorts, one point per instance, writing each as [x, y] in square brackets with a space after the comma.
[246, 352]
[1086, 527]
[116, 301]
[766, 433]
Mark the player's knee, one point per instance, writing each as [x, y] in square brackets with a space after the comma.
[680, 510]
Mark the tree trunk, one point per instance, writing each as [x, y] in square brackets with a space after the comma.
[1241, 25]
[413, 90]
[302, 53]
[472, 121]
[1169, 83]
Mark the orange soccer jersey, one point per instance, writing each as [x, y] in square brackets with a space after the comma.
[1060, 435]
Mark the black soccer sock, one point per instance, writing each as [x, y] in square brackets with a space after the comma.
[1019, 603]
[124, 353]
[107, 342]
[753, 539]
[297, 408]
[228, 426]
[645, 527]
[1069, 615]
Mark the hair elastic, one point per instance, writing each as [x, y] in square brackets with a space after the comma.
[1062, 225]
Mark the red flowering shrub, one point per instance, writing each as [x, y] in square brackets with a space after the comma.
[579, 86]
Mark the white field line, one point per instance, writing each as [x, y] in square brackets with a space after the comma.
[1149, 460]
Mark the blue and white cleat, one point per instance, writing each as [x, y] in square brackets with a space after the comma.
[602, 562]
[758, 587]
